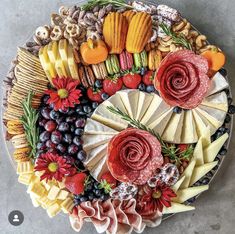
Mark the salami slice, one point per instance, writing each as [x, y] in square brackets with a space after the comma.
[182, 79]
[133, 156]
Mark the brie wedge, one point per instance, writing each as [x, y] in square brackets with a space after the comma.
[177, 208]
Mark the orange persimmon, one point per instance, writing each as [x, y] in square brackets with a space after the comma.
[94, 51]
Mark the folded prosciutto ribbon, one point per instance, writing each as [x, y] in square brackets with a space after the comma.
[112, 216]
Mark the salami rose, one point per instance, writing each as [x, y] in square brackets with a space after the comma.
[182, 79]
[133, 156]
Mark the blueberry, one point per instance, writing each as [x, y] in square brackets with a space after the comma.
[56, 137]
[60, 120]
[45, 98]
[61, 148]
[89, 187]
[91, 196]
[81, 155]
[98, 84]
[87, 109]
[78, 132]
[205, 181]
[231, 109]
[76, 202]
[94, 105]
[77, 141]
[70, 119]
[177, 110]
[41, 146]
[81, 113]
[39, 153]
[150, 89]
[54, 115]
[142, 71]
[104, 197]
[73, 149]
[72, 128]
[67, 138]
[223, 72]
[50, 144]
[230, 100]
[44, 136]
[96, 185]
[63, 127]
[64, 111]
[223, 151]
[209, 174]
[98, 192]
[83, 199]
[227, 119]
[191, 200]
[84, 101]
[104, 96]
[80, 123]
[89, 115]
[79, 108]
[71, 112]
[142, 87]
[45, 112]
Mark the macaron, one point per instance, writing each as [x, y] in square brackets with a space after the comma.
[82, 75]
[103, 70]
[137, 60]
[109, 66]
[144, 58]
[129, 60]
[123, 61]
[89, 75]
[115, 63]
[15, 127]
[96, 71]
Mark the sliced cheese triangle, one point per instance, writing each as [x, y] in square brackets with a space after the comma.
[189, 133]
[217, 101]
[202, 170]
[130, 100]
[94, 127]
[213, 149]
[160, 123]
[198, 153]
[176, 186]
[157, 108]
[173, 129]
[115, 101]
[177, 208]
[185, 194]
[95, 155]
[100, 168]
[188, 173]
[92, 141]
[218, 84]
[143, 104]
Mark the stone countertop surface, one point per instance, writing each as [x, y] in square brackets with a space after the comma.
[215, 209]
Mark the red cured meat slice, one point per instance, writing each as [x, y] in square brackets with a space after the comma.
[133, 156]
[182, 79]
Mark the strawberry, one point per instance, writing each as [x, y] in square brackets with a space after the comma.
[111, 86]
[131, 80]
[95, 94]
[76, 184]
[148, 78]
[108, 182]
[182, 147]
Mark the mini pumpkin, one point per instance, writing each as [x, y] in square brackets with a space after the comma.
[94, 51]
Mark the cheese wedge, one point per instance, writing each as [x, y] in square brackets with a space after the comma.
[104, 116]
[73, 67]
[143, 104]
[160, 124]
[63, 51]
[94, 127]
[92, 141]
[60, 68]
[99, 169]
[185, 194]
[95, 155]
[188, 173]
[156, 109]
[115, 101]
[176, 186]
[52, 51]
[217, 101]
[177, 208]
[173, 129]
[202, 170]
[213, 149]
[206, 137]
[218, 84]
[198, 153]
[189, 133]
[130, 100]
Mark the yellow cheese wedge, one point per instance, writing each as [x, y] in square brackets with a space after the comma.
[53, 210]
[206, 137]
[188, 173]
[24, 168]
[176, 186]
[213, 149]
[73, 68]
[53, 193]
[60, 68]
[185, 194]
[198, 153]
[63, 51]
[67, 205]
[177, 208]
[202, 170]
[25, 178]
[63, 194]
[52, 51]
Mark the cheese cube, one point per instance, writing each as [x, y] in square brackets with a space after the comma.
[53, 210]
[37, 190]
[53, 193]
[24, 168]
[63, 194]
[25, 178]
[67, 205]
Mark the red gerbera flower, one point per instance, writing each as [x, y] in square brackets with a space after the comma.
[65, 93]
[151, 200]
[54, 167]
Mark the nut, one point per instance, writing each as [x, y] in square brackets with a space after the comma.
[179, 26]
[56, 34]
[42, 32]
[200, 41]
[163, 48]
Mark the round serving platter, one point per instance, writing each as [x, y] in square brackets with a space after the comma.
[8, 147]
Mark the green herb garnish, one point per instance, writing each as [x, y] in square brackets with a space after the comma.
[179, 39]
[169, 150]
[29, 121]
[117, 4]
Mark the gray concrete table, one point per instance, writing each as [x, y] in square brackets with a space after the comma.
[215, 209]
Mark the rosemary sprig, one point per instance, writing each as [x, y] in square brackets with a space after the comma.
[29, 120]
[178, 39]
[169, 150]
[117, 4]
